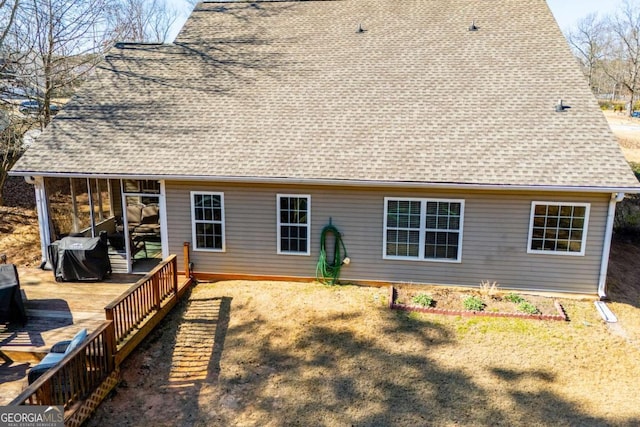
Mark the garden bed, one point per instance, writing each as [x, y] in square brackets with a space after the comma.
[471, 302]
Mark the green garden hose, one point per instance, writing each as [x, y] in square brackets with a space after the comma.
[328, 273]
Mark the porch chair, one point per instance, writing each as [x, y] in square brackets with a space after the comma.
[56, 354]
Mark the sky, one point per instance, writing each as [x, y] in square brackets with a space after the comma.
[569, 12]
[566, 12]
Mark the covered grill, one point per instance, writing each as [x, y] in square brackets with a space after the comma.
[80, 258]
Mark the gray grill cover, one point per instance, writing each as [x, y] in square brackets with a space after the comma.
[80, 258]
[11, 307]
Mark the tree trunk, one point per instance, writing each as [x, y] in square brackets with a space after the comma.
[3, 178]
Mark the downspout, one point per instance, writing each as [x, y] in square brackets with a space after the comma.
[606, 250]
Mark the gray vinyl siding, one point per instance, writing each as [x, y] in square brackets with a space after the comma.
[494, 243]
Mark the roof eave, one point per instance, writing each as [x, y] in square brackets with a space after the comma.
[344, 183]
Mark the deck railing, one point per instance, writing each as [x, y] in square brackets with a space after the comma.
[140, 301]
[85, 376]
[77, 375]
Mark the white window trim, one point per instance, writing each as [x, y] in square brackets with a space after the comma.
[423, 229]
[222, 221]
[279, 224]
[583, 243]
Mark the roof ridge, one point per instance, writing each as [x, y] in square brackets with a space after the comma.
[121, 44]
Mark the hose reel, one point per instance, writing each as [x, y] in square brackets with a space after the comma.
[329, 272]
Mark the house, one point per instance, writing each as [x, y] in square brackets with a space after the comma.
[450, 142]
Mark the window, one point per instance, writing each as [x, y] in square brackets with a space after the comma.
[293, 224]
[207, 215]
[558, 228]
[423, 229]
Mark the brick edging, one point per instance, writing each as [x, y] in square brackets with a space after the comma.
[561, 316]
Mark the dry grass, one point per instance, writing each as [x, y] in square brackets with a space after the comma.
[624, 287]
[275, 353]
[488, 288]
[627, 130]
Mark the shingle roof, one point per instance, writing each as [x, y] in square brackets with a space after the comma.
[292, 90]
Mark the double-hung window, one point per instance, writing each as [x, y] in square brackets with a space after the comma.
[558, 228]
[423, 229]
[293, 224]
[207, 221]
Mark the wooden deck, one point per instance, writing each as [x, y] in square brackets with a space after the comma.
[56, 311]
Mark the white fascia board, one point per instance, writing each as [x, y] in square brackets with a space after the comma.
[339, 182]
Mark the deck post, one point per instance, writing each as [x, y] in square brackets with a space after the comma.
[110, 338]
[174, 275]
[111, 332]
[155, 285]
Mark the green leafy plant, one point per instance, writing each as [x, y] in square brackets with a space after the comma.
[514, 298]
[473, 304]
[424, 300]
[527, 307]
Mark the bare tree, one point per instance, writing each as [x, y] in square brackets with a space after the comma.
[8, 10]
[58, 41]
[624, 57]
[589, 42]
[10, 139]
[50, 46]
[141, 20]
[11, 147]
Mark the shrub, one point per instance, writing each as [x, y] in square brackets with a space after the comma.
[424, 300]
[488, 288]
[473, 304]
[527, 307]
[627, 218]
[514, 298]
[605, 105]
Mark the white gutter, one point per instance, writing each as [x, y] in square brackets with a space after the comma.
[339, 182]
[606, 250]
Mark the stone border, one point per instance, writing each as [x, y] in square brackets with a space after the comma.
[561, 316]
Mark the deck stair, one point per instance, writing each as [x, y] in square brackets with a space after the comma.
[118, 259]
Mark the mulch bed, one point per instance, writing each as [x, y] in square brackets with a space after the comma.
[449, 301]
